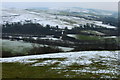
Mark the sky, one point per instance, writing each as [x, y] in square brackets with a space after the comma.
[111, 5]
[60, 0]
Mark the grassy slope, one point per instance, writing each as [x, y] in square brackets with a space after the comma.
[19, 70]
[23, 71]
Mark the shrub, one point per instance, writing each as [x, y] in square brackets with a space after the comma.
[44, 49]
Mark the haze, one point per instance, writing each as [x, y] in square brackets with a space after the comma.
[111, 6]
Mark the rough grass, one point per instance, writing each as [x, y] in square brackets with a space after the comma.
[19, 70]
[45, 59]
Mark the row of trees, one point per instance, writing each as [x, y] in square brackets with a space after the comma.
[38, 29]
[30, 28]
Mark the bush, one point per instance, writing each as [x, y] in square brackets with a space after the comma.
[10, 54]
[6, 54]
[33, 51]
[44, 50]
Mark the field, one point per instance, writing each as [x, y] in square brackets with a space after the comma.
[84, 64]
[85, 37]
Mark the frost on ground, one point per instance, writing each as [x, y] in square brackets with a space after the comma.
[104, 63]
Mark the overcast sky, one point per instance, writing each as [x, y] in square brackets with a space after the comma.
[112, 6]
[60, 0]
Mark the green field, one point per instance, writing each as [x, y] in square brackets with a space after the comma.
[84, 37]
